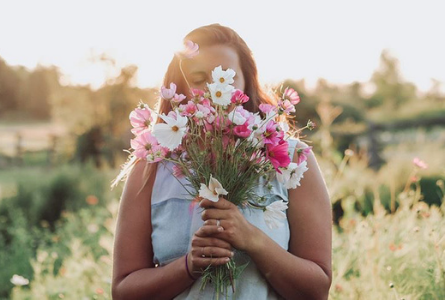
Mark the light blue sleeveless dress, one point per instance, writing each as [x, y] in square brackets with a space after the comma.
[174, 223]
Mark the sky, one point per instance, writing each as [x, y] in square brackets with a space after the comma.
[340, 41]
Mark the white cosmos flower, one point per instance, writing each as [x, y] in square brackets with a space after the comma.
[19, 280]
[223, 77]
[170, 133]
[221, 94]
[236, 117]
[212, 191]
[292, 175]
[274, 214]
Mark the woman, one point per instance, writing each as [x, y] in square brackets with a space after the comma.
[161, 249]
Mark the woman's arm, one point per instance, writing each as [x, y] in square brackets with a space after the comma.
[304, 271]
[134, 273]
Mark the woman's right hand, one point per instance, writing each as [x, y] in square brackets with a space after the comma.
[207, 250]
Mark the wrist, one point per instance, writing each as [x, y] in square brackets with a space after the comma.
[188, 270]
[256, 241]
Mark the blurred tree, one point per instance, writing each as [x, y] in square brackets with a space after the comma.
[390, 88]
[9, 88]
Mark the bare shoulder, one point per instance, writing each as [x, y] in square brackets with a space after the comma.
[310, 215]
[132, 245]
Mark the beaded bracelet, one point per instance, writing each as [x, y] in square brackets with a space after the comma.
[187, 268]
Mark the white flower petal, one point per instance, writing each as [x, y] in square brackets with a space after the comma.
[206, 193]
[274, 214]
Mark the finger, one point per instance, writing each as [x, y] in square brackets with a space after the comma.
[220, 204]
[209, 230]
[214, 213]
[211, 252]
[201, 263]
[210, 242]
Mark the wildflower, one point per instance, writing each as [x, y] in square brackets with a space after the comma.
[239, 97]
[177, 171]
[292, 174]
[140, 118]
[310, 125]
[213, 190]
[419, 163]
[272, 135]
[285, 107]
[291, 95]
[303, 152]
[222, 77]
[170, 133]
[274, 213]
[168, 94]
[277, 155]
[242, 130]
[236, 117]
[92, 200]
[221, 94]
[178, 98]
[19, 280]
[191, 50]
[147, 147]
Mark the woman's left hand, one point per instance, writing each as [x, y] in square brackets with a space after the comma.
[238, 231]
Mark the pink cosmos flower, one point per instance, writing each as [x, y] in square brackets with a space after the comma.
[188, 109]
[191, 50]
[178, 98]
[239, 97]
[242, 130]
[140, 119]
[168, 94]
[147, 147]
[291, 95]
[419, 163]
[272, 135]
[303, 152]
[267, 108]
[286, 106]
[177, 171]
[278, 155]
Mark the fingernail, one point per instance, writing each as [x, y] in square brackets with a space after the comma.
[220, 228]
[227, 259]
[232, 254]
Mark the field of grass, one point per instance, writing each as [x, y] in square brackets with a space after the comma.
[376, 254]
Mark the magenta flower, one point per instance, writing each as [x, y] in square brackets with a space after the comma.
[272, 135]
[147, 147]
[239, 97]
[190, 50]
[188, 109]
[242, 130]
[168, 94]
[140, 119]
[419, 163]
[291, 95]
[278, 155]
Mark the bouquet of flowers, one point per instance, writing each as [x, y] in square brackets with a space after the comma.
[221, 148]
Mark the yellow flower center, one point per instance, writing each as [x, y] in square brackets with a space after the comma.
[221, 79]
[175, 128]
[218, 94]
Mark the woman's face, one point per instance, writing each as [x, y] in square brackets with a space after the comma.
[199, 69]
